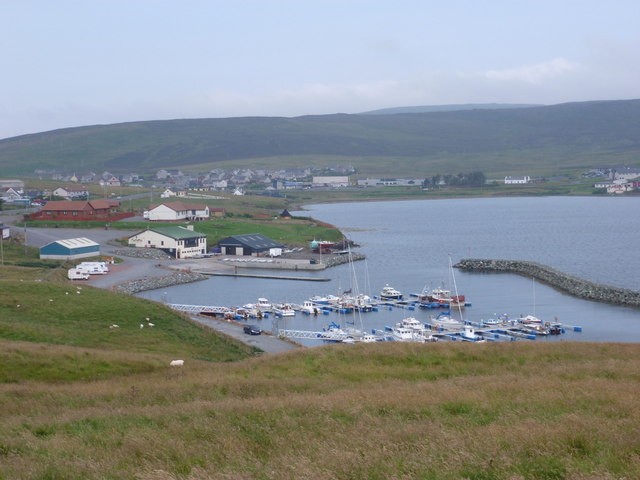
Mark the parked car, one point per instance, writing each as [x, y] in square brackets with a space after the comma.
[252, 330]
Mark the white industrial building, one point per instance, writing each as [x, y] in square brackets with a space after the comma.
[179, 242]
[332, 182]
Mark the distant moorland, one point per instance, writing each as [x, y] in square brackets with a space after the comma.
[533, 140]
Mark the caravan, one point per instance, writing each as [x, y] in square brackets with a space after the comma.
[93, 268]
[75, 274]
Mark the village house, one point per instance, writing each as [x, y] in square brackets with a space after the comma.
[178, 241]
[10, 195]
[80, 210]
[71, 193]
[169, 192]
[627, 173]
[516, 180]
[112, 181]
[174, 211]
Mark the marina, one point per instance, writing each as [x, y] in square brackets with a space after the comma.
[578, 236]
[438, 328]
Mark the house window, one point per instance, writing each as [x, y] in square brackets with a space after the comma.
[64, 213]
[75, 214]
[162, 243]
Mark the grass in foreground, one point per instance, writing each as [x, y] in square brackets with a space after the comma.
[381, 411]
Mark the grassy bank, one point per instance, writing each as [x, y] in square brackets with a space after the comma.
[298, 231]
[382, 411]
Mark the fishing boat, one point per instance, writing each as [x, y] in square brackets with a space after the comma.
[390, 293]
[321, 246]
[309, 308]
[469, 334]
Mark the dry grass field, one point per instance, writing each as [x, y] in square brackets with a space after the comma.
[370, 411]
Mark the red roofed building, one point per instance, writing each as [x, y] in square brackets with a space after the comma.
[80, 210]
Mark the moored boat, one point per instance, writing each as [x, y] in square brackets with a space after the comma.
[284, 310]
[390, 293]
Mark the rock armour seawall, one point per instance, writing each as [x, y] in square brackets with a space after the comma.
[567, 283]
[159, 282]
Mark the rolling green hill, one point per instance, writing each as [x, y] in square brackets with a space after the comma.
[531, 139]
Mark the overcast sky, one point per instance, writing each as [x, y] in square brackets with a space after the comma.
[71, 63]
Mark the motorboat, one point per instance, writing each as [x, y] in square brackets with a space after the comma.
[390, 293]
[444, 321]
[264, 305]
[411, 330]
[309, 308]
[284, 310]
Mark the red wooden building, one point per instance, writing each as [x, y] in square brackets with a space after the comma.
[80, 210]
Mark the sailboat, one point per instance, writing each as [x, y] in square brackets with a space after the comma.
[531, 323]
[444, 319]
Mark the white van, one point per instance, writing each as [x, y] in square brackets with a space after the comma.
[75, 274]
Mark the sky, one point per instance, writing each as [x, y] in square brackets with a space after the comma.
[68, 63]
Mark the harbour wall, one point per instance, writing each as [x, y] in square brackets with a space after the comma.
[153, 283]
[575, 286]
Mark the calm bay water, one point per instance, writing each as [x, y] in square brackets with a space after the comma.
[408, 245]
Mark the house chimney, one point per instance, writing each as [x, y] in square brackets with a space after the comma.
[189, 227]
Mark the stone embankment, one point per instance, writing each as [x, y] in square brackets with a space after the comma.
[148, 253]
[566, 283]
[152, 283]
[334, 260]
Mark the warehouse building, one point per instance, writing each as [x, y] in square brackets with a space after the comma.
[249, 244]
[70, 249]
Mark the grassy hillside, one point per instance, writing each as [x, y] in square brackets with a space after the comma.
[493, 140]
[59, 313]
[376, 411]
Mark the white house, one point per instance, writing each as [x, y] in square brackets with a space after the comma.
[173, 211]
[71, 193]
[627, 173]
[334, 182]
[10, 195]
[173, 193]
[179, 242]
[516, 180]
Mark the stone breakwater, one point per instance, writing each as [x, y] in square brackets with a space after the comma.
[148, 253]
[566, 283]
[334, 260]
[153, 283]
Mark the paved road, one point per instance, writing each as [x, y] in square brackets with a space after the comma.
[136, 268]
[267, 343]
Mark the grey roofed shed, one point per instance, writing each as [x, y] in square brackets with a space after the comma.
[247, 244]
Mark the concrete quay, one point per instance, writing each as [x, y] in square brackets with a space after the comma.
[575, 286]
